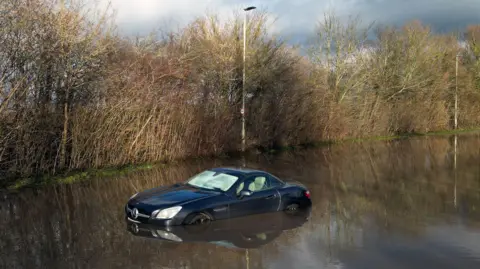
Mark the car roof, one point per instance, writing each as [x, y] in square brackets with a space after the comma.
[237, 171]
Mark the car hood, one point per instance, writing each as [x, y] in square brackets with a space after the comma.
[169, 196]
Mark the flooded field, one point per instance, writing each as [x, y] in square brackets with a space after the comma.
[404, 204]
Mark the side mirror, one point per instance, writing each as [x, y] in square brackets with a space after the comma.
[245, 193]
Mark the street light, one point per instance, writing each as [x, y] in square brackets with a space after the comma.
[243, 82]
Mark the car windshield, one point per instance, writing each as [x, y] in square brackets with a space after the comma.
[213, 180]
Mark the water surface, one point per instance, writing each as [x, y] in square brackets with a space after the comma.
[404, 204]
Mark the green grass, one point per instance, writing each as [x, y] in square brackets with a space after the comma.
[79, 176]
[405, 136]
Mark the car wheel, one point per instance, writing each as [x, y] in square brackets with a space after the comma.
[199, 219]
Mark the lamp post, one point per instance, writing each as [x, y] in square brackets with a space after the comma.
[244, 76]
[456, 90]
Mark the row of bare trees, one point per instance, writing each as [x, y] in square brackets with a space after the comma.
[75, 94]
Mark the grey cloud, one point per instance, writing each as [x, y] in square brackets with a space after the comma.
[441, 15]
[297, 18]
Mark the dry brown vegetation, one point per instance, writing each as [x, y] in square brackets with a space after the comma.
[76, 95]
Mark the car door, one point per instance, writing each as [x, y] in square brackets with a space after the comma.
[263, 199]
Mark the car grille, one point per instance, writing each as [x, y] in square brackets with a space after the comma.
[129, 212]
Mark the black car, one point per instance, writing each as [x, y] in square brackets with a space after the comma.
[215, 194]
[240, 233]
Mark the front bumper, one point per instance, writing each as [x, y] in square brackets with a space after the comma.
[147, 219]
[159, 222]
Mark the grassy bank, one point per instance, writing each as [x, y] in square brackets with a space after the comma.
[75, 176]
[79, 176]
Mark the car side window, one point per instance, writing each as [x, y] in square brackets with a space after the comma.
[274, 182]
[257, 183]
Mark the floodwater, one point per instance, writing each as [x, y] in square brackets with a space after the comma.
[405, 204]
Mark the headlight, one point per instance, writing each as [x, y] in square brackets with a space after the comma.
[167, 213]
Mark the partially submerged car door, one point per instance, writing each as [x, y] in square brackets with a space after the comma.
[264, 197]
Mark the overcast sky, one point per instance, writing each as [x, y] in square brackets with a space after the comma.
[296, 18]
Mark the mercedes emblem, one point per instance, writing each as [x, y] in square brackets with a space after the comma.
[135, 213]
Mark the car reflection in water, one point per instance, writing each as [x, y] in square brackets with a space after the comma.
[245, 232]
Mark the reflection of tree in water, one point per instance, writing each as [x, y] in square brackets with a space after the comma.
[389, 186]
[396, 187]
